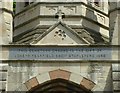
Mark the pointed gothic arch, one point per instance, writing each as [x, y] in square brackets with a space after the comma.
[58, 80]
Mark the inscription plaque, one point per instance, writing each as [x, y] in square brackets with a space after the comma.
[59, 53]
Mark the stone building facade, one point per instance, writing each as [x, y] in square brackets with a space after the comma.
[6, 30]
[43, 53]
[114, 15]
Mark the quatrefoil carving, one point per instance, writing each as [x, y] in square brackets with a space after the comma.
[61, 34]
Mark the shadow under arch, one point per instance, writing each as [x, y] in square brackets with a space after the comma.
[59, 86]
[55, 80]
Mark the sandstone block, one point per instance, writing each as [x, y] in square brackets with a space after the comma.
[43, 77]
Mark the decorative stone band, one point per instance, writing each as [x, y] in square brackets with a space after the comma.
[55, 74]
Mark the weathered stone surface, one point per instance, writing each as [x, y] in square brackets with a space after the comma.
[114, 23]
[31, 83]
[22, 88]
[72, 67]
[116, 76]
[97, 88]
[75, 78]
[42, 13]
[32, 69]
[18, 77]
[8, 5]
[87, 84]
[116, 67]
[59, 74]
[4, 68]
[113, 5]
[116, 85]
[0, 4]
[12, 86]
[3, 76]
[5, 55]
[6, 31]
[75, 14]
[43, 77]
[2, 85]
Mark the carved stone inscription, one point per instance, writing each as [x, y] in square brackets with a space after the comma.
[59, 53]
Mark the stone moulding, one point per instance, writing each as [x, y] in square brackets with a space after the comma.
[57, 74]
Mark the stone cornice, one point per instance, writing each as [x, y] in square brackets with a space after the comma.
[25, 45]
[67, 16]
[35, 4]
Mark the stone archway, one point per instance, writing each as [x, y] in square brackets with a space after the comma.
[59, 86]
[59, 80]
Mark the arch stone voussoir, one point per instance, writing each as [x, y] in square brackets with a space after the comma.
[86, 83]
[56, 74]
[59, 74]
[43, 77]
[31, 83]
[75, 78]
